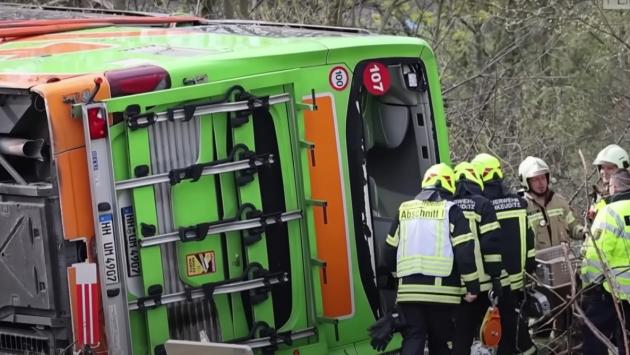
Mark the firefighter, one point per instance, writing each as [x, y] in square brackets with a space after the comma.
[482, 219]
[608, 160]
[550, 216]
[518, 253]
[432, 248]
[608, 250]
[552, 221]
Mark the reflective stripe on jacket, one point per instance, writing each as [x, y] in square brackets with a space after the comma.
[518, 247]
[486, 229]
[425, 243]
[552, 221]
[611, 235]
[418, 242]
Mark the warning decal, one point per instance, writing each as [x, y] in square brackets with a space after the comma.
[200, 263]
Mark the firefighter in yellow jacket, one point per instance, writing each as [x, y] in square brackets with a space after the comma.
[608, 251]
[552, 221]
[431, 248]
[550, 216]
[608, 160]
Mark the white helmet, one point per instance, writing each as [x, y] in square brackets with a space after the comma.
[531, 167]
[613, 154]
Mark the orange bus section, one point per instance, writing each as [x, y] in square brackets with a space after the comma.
[331, 223]
[68, 150]
[59, 96]
[74, 191]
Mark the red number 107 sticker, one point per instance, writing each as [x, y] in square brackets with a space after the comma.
[376, 78]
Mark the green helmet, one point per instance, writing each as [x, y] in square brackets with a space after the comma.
[466, 171]
[488, 167]
[441, 176]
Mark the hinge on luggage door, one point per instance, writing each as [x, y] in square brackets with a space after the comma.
[321, 264]
[333, 321]
[154, 294]
[253, 102]
[312, 106]
[136, 120]
[258, 295]
[147, 230]
[245, 176]
[311, 147]
[141, 171]
[253, 235]
[320, 203]
[194, 233]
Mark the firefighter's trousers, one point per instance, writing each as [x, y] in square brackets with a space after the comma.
[426, 322]
[600, 310]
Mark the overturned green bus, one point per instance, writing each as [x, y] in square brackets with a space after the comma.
[171, 178]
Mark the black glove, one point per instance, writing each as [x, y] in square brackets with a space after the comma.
[497, 288]
[399, 321]
[381, 332]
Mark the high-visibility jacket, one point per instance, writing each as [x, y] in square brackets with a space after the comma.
[518, 248]
[600, 204]
[552, 220]
[611, 235]
[434, 250]
[483, 223]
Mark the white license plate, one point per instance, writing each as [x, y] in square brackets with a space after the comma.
[106, 225]
[131, 241]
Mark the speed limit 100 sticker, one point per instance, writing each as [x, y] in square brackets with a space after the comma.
[338, 78]
[376, 78]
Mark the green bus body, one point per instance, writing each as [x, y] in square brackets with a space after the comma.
[374, 146]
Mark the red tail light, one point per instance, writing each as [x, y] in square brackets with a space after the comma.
[97, 122]
[137, 80]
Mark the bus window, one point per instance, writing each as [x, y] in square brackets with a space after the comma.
[391, 142]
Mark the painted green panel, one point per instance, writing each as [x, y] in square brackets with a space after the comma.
[250, 193]
[282, 65]
[234, 244]
[151, 257]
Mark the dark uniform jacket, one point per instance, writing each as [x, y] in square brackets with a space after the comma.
[482, 219]
[518, 247]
